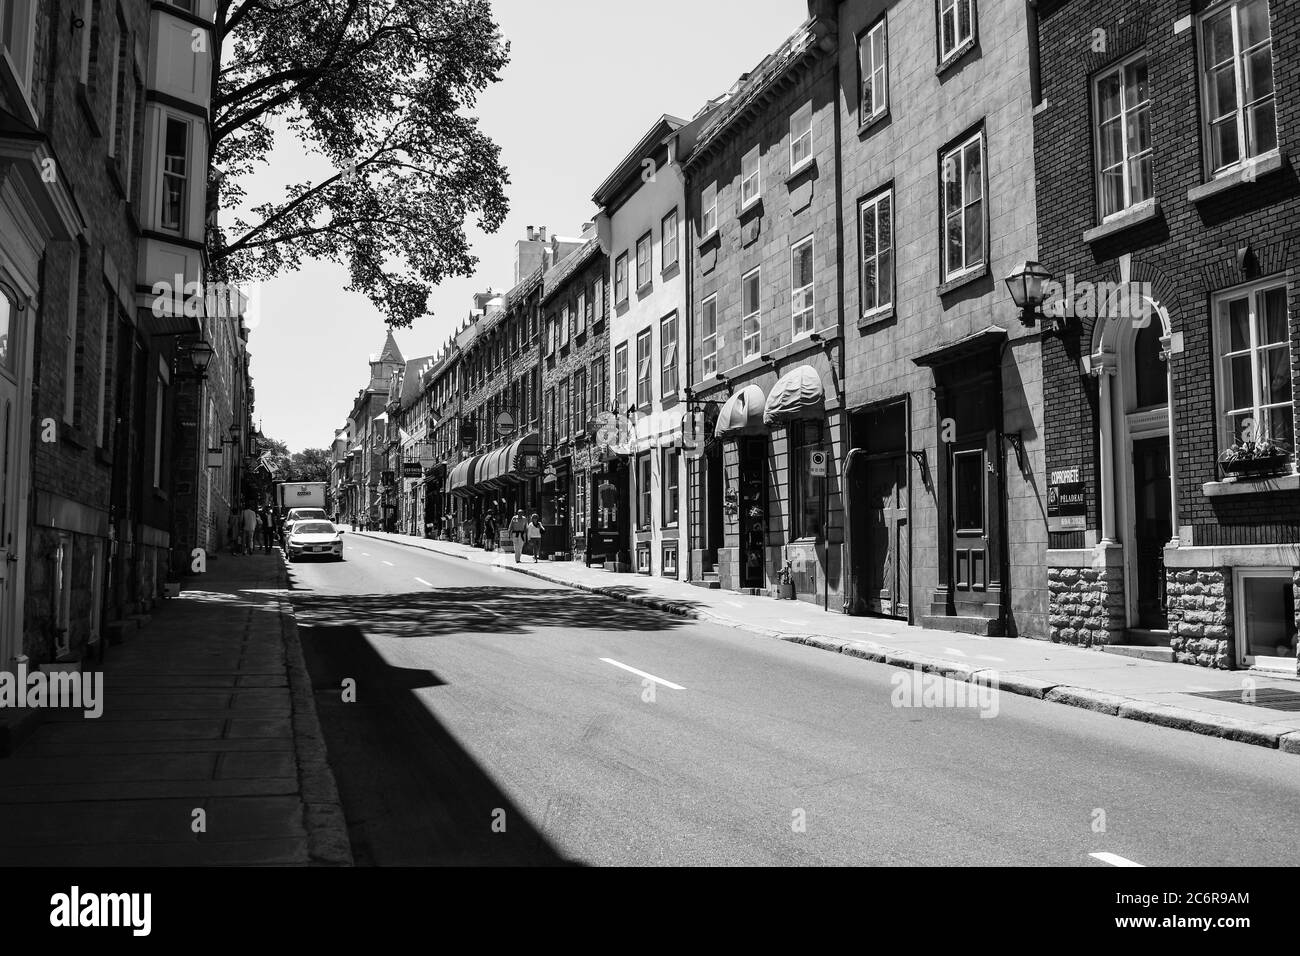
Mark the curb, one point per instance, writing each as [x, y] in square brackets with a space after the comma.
[1257, 733]
[327, 831]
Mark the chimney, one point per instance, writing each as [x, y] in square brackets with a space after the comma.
[532, 234]
[541, 233]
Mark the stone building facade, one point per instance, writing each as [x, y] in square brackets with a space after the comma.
[944, 437]
[765, 336]
[1166, 167]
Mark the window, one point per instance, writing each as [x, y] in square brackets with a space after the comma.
[956, 26]
[751, 325]
[103, 428]
[1237, 65]
[599, 387]
[963, 207]
[564, 324]
[620, 379]
[579, 402]
[750, 184]
[620, 279]
[1255, 366]
[668, 484]
[580, 506]
[668, 241]
[1265, 620]
[669, 566]
[160, 389]
[1123, 111]
[595, 302]
[643, 262]
[89, 28]
[807, 510]
[116, 97]
[801, 136]
[17, 36]
[709, 210]
[801, 286]
[549, 422]
[71, 368]
[968, 489]
[582, 312]
[709, 335]
[175, 173]
[643, 491]
[876, 239]
[668, 355]
[873, 73]
[644, 389]
[549, 343]
[562, 418]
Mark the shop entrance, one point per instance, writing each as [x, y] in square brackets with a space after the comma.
[879, 539]
[753, 512]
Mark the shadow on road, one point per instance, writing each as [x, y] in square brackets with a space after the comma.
[497, 611]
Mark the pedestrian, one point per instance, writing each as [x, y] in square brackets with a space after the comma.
[248, 517]
[518, 532]
[265, 520]
[489, 531]
[535, 537]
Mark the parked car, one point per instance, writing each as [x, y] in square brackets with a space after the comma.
[313, 538]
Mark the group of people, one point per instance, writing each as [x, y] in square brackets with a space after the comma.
[252, 528]
[525, 534]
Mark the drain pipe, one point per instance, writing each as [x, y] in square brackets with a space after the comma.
[850, 472]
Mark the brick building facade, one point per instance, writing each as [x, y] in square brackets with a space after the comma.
[762, 187]
[1166, 164]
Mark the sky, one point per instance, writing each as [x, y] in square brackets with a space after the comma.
[586, 79]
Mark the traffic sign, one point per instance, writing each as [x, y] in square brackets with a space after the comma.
[817, 464]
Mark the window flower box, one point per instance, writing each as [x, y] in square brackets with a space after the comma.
[1256, 459]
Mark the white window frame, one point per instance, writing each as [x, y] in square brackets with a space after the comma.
[622, 393]
[1244, 658]
[1222, 358]
[645, 368]
[869, 73]
[668, 355]
[751, 341]
[20, 61]
[958, 151]
[751, 177]
[709, 341]
[874, 203]
[801, 122]
[803, 321]
[646, 242]
[960, 40]
[1127, 158]
[88, 11]
[1244, 150]
[709, 210]
[620, 264]
[167, 118]
[667, 242]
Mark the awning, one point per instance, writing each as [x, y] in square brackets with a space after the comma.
[504, 466]
[742, 414]
[459, 479]
[798, 394]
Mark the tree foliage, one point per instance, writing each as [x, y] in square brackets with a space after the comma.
[384, 90]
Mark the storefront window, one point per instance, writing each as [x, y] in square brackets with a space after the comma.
[669, 484]
[643, 492]
[808, 510]
[1266, 621]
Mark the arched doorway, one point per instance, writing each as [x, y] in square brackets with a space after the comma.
[1136, 451]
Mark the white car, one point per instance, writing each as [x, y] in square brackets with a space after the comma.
[313, 538]
[303, 514]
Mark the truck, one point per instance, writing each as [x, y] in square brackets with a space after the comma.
[300, 494]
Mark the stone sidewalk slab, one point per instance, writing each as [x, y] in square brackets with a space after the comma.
[1132, 688]
[207, 707]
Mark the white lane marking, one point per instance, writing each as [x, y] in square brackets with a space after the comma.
[424, 582]
[1198, 687]
[798, 623]
[735, 603]
[989, 657]
[657, 680]
[954, 652]
[1113, 860]
[365, 554]
[389, 563]
[883, 637]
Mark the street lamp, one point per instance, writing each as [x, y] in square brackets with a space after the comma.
[200, 356]
[1027, 283]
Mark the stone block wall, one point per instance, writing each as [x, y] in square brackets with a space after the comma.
[1087, 605]
[1200, 616]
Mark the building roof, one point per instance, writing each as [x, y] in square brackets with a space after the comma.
[390, 354]
[411, 380]
[631, 164]
[566, 267]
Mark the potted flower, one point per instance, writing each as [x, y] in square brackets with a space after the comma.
[731, 501]
[785, 581]
[1254, 459]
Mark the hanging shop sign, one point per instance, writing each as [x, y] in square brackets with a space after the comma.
[412, 469]
[1066, 501]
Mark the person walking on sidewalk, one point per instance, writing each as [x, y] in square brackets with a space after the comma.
[535, 537]
[248, 517]
[518, 532]
[489, 532]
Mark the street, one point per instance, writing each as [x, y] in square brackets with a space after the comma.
[594, 732]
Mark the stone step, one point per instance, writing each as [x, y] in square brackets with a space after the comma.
[1146, 652]
[713, 584]
[1147, 637]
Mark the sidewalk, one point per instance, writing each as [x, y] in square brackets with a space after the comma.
[206, 707]
[1155, 692]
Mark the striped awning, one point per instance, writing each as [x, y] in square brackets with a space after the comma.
[508, 465]
[460, 478]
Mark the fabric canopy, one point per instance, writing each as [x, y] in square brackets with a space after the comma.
[458, 480]
[798, 394]
[742, 414]
[501, 467]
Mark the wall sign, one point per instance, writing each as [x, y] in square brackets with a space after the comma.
[1066, 508]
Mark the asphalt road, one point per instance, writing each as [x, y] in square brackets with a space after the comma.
[501, 719]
